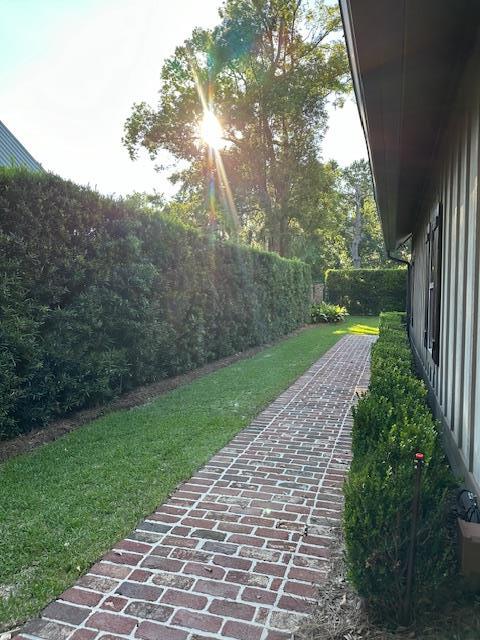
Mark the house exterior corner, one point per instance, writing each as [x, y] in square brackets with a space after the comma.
[420, 110]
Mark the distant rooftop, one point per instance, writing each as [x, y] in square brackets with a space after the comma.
[13, 153]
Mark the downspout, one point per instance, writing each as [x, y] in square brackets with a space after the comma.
[409, 301]
[395, 259]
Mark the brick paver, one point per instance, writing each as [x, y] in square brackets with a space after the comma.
[239, 549]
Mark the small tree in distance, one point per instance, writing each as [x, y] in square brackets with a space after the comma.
[362, 227]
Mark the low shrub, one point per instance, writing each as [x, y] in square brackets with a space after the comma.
[391, 423]
[367, 291]
[97, 298]
[324, 312]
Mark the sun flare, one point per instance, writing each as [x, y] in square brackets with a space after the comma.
[211, 130]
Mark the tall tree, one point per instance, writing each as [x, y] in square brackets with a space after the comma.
[267, 72]
[318, 235]
[363, 232]
[146, 202]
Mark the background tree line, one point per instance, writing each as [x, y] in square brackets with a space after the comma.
[268, 72]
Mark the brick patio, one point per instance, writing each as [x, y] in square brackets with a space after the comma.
[237, 551]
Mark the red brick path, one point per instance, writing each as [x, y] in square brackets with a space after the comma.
[238, 550]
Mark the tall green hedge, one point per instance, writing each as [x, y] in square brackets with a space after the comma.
[367, 291]
[392, 422]
[97, 298]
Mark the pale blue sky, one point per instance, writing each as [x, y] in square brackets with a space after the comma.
[70, 71]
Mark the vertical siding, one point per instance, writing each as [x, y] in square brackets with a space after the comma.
[449, 295]
[460, 289]
[468, 293]
[456, 379]
[474, 459]
[445, 353]
[416, 331]
[453, 293]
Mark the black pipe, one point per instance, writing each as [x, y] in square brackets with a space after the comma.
[407, 605]
[399, 260]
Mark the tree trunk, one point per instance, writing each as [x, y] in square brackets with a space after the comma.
[283, 234]
[357, 230]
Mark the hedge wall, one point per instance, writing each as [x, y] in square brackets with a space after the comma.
[392, 422]
[367, 291]
[97, 298]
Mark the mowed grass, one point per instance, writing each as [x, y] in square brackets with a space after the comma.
[65, 504]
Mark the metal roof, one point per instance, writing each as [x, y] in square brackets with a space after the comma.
[13, 153]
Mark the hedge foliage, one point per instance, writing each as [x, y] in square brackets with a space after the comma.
[391, 423]
[367, 291]
[97, 298]
[324, 312]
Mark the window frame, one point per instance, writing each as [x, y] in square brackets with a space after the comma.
[433, 292]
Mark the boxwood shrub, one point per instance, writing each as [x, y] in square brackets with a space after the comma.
[97, 298]
[391, 423]
[367, 291]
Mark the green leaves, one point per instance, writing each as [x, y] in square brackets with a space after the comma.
[268, 69]
[97, 297]
[391, 423]
[367, 291]
[324, 312]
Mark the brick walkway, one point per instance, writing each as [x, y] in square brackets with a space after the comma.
[237, 550]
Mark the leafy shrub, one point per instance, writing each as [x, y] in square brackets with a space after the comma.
[371, 416]
[97, 298]
[324, 312]
[367, 291]
[391, 423]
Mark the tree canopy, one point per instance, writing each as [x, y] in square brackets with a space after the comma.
[267, 72]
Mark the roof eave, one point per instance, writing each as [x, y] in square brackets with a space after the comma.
[406, 59]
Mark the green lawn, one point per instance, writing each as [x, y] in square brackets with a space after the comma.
[65, 504]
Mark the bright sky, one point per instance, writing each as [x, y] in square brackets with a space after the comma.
[70, 71]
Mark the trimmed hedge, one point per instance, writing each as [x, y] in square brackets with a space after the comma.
[97, 298]
[391, 423]
[367, 291]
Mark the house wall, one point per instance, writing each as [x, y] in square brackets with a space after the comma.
[455, 382]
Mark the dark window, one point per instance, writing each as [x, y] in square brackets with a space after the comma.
[411, 280]
[433, 291]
